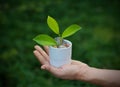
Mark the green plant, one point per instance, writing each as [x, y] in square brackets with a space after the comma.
[44, 39]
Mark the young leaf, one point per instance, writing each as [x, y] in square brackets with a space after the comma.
[71, 30]
[52, 23]
[45, 40]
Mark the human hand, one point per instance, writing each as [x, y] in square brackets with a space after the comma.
[74, 71]
[78, 70]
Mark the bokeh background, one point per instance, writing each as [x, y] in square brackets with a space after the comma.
[97, 44]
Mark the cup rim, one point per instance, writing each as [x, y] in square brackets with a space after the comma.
[64, 47]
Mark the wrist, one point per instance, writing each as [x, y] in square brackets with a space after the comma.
[103, 77]
[95, 76]
[83, 73]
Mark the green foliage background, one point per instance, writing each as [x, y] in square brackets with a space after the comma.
[97, 44]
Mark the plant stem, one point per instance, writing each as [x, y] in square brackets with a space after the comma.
[59, 41]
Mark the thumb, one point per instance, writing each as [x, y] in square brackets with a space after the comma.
[50, 68]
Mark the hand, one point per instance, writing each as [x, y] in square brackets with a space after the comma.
[69, 71]
[78, 70]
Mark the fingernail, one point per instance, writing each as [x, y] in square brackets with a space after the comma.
[42, 67]
[34, 51]
[35, 46]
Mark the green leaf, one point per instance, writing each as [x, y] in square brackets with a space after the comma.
[45, 40]
[71, 30]
[52, 23]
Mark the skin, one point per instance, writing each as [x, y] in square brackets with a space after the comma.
[78, 70]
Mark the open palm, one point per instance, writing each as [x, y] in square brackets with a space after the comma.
[67, 71]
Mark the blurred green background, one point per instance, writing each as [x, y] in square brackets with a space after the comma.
[97, 44]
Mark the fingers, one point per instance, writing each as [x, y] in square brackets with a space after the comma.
[46, 49]
[41, 59]
[55, 71]
[42, 52]
[43, 67]
[49, 68]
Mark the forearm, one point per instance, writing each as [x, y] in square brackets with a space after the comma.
[106, 78]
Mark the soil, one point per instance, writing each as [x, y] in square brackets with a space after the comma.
[64, 45]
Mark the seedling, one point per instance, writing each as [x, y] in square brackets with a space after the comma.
[46, 40]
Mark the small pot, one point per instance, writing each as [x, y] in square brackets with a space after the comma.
[60, 56]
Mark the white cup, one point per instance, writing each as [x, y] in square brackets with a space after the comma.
[60, 56]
